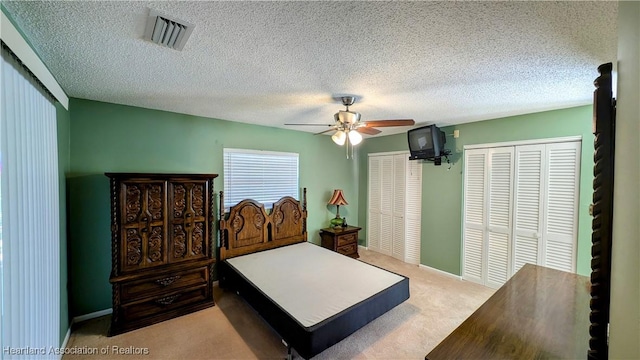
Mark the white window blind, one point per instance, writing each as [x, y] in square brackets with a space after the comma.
[30, 237]
[264, 176]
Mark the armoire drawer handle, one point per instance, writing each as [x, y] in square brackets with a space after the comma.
[167, 300]
[168, 280]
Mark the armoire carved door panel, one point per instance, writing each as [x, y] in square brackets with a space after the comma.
[143, 226]
[189, 213]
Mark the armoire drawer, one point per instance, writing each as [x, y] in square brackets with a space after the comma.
[164, 302]
[347, 239]
[152, 286]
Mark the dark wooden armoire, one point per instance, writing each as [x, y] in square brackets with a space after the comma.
[162, 247]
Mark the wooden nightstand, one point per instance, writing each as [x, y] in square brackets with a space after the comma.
[342, 240]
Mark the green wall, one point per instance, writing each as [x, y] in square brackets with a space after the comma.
[63, 123]
[442, 187]
[115, 138]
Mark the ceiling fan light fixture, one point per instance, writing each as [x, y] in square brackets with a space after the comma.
[355, 138]
[339, 137]
[348, 127]
[347, 117]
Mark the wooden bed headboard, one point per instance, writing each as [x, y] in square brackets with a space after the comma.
[248, 228]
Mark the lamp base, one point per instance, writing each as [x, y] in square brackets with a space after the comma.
[336, 222]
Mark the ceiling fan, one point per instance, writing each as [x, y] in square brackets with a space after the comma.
[348, 127]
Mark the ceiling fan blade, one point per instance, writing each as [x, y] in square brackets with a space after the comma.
[322, 132]
[386, 123]
[311, 124]
[368, 130]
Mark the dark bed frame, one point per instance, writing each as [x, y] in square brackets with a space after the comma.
[248, 228]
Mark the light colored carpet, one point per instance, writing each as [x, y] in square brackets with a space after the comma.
[233, 330]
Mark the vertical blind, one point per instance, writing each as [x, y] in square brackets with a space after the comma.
[264, 176]
[29, 237]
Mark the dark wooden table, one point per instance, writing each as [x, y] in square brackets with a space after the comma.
[539, 313]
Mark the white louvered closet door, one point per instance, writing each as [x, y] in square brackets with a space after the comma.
[561, 204]
[413, 212]
[373, 223]
[386, 203]
[520, 206]
[474, 215]
[395, 201]
[498, 244]
[398, 206]
[528, 192]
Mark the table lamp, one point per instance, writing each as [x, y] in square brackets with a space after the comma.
[337, 199]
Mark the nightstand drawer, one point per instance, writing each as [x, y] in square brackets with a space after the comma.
[343, 240]
[347, 239]
[348, 249]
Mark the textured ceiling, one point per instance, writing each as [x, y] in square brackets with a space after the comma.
[272, 63]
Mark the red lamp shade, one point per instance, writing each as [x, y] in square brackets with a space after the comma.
[338, 198]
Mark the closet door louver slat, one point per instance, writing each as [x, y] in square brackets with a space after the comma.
[399, 185]
[413, 212]
[562, 201]
[499, 215]
[528, 212]
[373, 225]
[386, 211]
[474, 215]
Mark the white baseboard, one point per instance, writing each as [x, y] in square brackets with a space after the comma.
[425, 267]
[82, 318]
[92, 315]
[360, 247]
[66, 339]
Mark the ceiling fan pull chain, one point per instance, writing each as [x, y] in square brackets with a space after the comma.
[347, 147]
[351, 144]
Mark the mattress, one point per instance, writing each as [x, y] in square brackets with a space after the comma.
[312, 296]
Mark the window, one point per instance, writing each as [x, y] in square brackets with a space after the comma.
[264, 176]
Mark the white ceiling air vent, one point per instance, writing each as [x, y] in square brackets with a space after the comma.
[167, 31]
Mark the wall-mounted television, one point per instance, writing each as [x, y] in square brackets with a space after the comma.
[426, 142]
